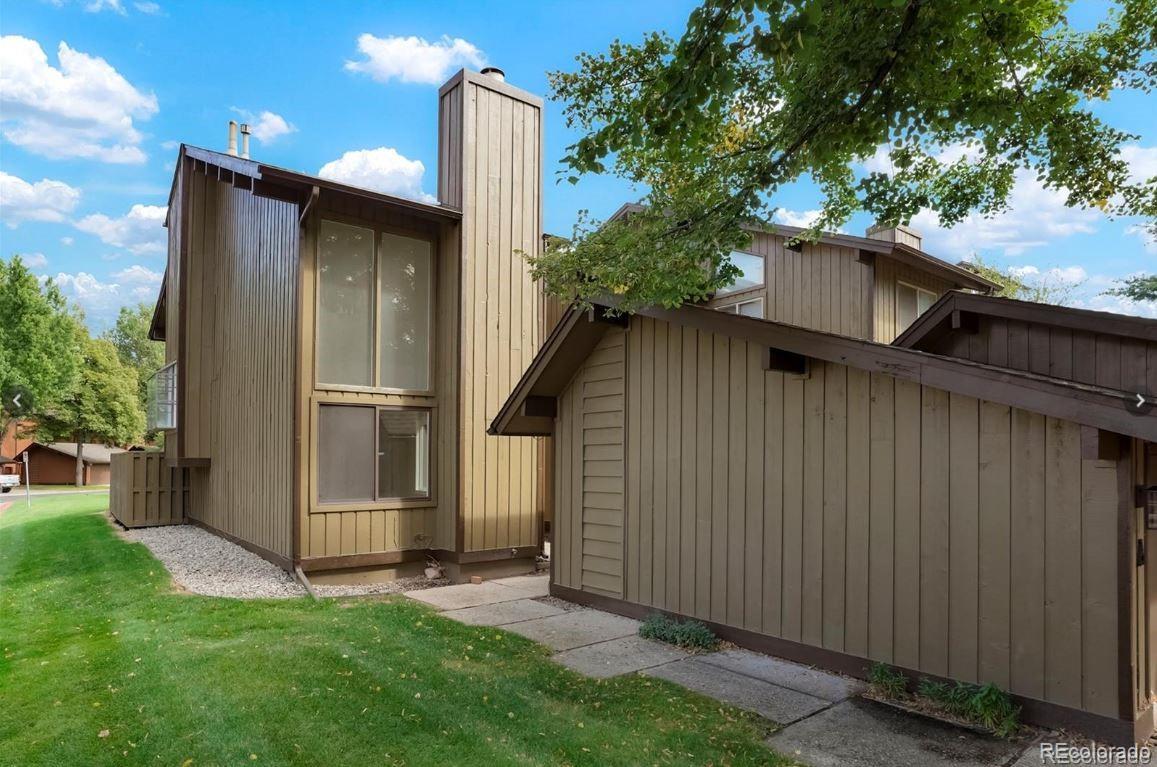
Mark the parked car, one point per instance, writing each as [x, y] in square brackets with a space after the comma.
[9, 481]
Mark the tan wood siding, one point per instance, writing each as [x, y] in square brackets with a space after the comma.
[887, 273]
[497, 177]
[855, 512]
[1074, 355]
[590, 466]
[823, 287]
[239, 361]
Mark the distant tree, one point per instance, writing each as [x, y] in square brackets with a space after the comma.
[39, 351]
[756, 95]
[103, 406]
[130, 336]
[1142, 288]
[1042, 289]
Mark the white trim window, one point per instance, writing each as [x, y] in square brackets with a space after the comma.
[911, 302]
[752, 268]
[751, 308]
[161, 393]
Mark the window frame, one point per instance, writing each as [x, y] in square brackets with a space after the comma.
[733, 307]
[757, 286]
[375, 361]
[919, 314]
[430, 500]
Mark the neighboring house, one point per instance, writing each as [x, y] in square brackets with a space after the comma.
[17, 436]
[54, 463]
[865, 287]
[842, 502]
[335, 354]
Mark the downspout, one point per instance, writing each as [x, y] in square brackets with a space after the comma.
[304, 581]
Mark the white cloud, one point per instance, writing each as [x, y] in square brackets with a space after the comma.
[44, 200]
[1067, 275]
[413, 59]
[1147, 237]
[1142, 162]
[66, 240]
[151, 9]
[382, 170]
[800, 218]
[1035, 217]
[34, 260]
[96, 6]
[140, 231]
[267, 126]
[1117, 305]
[170, 145]
[138, 275]
[83, 109]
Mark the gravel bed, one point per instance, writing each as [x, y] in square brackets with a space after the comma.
[416, 583]
[207, 564]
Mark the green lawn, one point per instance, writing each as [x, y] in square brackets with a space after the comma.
[104, 664]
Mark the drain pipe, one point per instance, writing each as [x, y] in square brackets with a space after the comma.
[305, 581]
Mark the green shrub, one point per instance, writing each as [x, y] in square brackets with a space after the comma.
[887, 681]
[988, 706]
[690, 634]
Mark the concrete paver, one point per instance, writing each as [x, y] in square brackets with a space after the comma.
[467, 595]
[779, 704]
[576, 629]
[863, 733]
[503, 613]
[819, 684]
[619, 656]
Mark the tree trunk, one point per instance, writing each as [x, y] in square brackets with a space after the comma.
[80, 460]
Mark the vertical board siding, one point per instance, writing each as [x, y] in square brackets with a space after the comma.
[1074, 355]
[887, 273]
[491, 141]
[853, 511]
[145, 491]
[240, 326]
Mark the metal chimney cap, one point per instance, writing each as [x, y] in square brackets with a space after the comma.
[245, 127]
[494, 72]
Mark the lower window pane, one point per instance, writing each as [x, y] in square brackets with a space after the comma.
[403, 453]
[345, 453]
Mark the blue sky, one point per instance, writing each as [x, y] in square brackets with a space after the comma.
[95, 95]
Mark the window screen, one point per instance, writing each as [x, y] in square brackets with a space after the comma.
[345, 453]
[403, 453]
[345, 305]
[752, 276]
[405, 279]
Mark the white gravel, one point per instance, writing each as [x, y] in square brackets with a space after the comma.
[207, 564]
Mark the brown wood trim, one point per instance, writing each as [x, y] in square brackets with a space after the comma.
[270, 556]
[186, 169]
[1102, 728]
[295, 506]
[1126, 582]
[374, 559]
[484, 555]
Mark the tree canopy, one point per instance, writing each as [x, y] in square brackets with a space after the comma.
[39, 356]
[130, 337]
[758, 94]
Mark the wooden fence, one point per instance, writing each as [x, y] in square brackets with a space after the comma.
[146, 491]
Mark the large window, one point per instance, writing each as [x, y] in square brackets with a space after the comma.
[752, 268]
[372, 453]
[374, 307]
[911, 302]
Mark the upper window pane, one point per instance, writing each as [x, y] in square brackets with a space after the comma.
[752, 276]
[751, 308]
[906, 311]
[406, 288]
[346, 305]
[403, 453]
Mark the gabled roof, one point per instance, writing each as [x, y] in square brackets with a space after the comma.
[938, 319]
[93, 453]
[958, 276]
[560, 358]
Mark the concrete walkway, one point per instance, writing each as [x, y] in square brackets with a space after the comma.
[820, 717]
